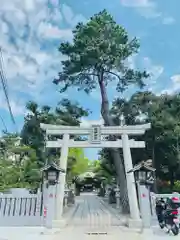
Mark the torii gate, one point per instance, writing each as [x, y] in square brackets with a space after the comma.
[96, 139]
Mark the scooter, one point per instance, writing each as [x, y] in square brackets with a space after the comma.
[171, 221]
[160, 212]
[167, 217]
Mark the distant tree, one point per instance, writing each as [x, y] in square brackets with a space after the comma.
[66, 113]
[18, 165]
[80, 165]
[162, 140]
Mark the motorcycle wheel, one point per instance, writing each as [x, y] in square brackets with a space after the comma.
[161, 225]
[175, 229]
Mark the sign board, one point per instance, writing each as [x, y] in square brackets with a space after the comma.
[96, 134]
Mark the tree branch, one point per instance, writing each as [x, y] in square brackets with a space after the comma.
[116, 75]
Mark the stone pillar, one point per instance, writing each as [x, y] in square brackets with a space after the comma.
[118, 195]
[50, 206]
[62, 180]
[45, 193]
[131, 185]
[145, 209]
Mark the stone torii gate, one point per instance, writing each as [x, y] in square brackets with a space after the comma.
[96, 139]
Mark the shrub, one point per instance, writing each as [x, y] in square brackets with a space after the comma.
[176, 187]
[163, 186]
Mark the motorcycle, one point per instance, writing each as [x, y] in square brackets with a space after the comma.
[167, 217]
[171, 221]
[160, 211]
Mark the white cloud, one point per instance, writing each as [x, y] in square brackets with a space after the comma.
[154, 70]
[54, 2]
[149, 12]
[175, 85]
[168, 20]
[53, 32]
[131, 61]
[17, 105]
[30, 55]
[136, 3]
[87, 123]
[176, 79]
[70, 17]
[148, 9]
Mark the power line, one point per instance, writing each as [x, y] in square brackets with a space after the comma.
[4, 85]
[1, 69]
[5, 127]
[7, 98]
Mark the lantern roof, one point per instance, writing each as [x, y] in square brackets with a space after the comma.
[52, 166]
[144, 166]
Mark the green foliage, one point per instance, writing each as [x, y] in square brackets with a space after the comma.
[162, 140]
[77, 163]
[163, 186]
[176, 187]
[165, 190]
[107, 162]
[31, 134]
[100, 171]
[19, 169]
[98, 53]
[22, 158]
[70, 113]
[66, 113]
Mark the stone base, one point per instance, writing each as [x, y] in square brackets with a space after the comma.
[59, 223]
[148, 231]
[48, 231]
[135, 223]
[57, 226]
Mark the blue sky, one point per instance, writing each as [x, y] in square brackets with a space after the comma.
[31, 31]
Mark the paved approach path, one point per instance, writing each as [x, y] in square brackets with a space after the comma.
[92, 212]
[92, 219]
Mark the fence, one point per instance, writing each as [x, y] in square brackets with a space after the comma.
[20, 210]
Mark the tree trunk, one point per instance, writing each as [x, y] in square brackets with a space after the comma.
[154, 164]
[118, 162]
[171, 177]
